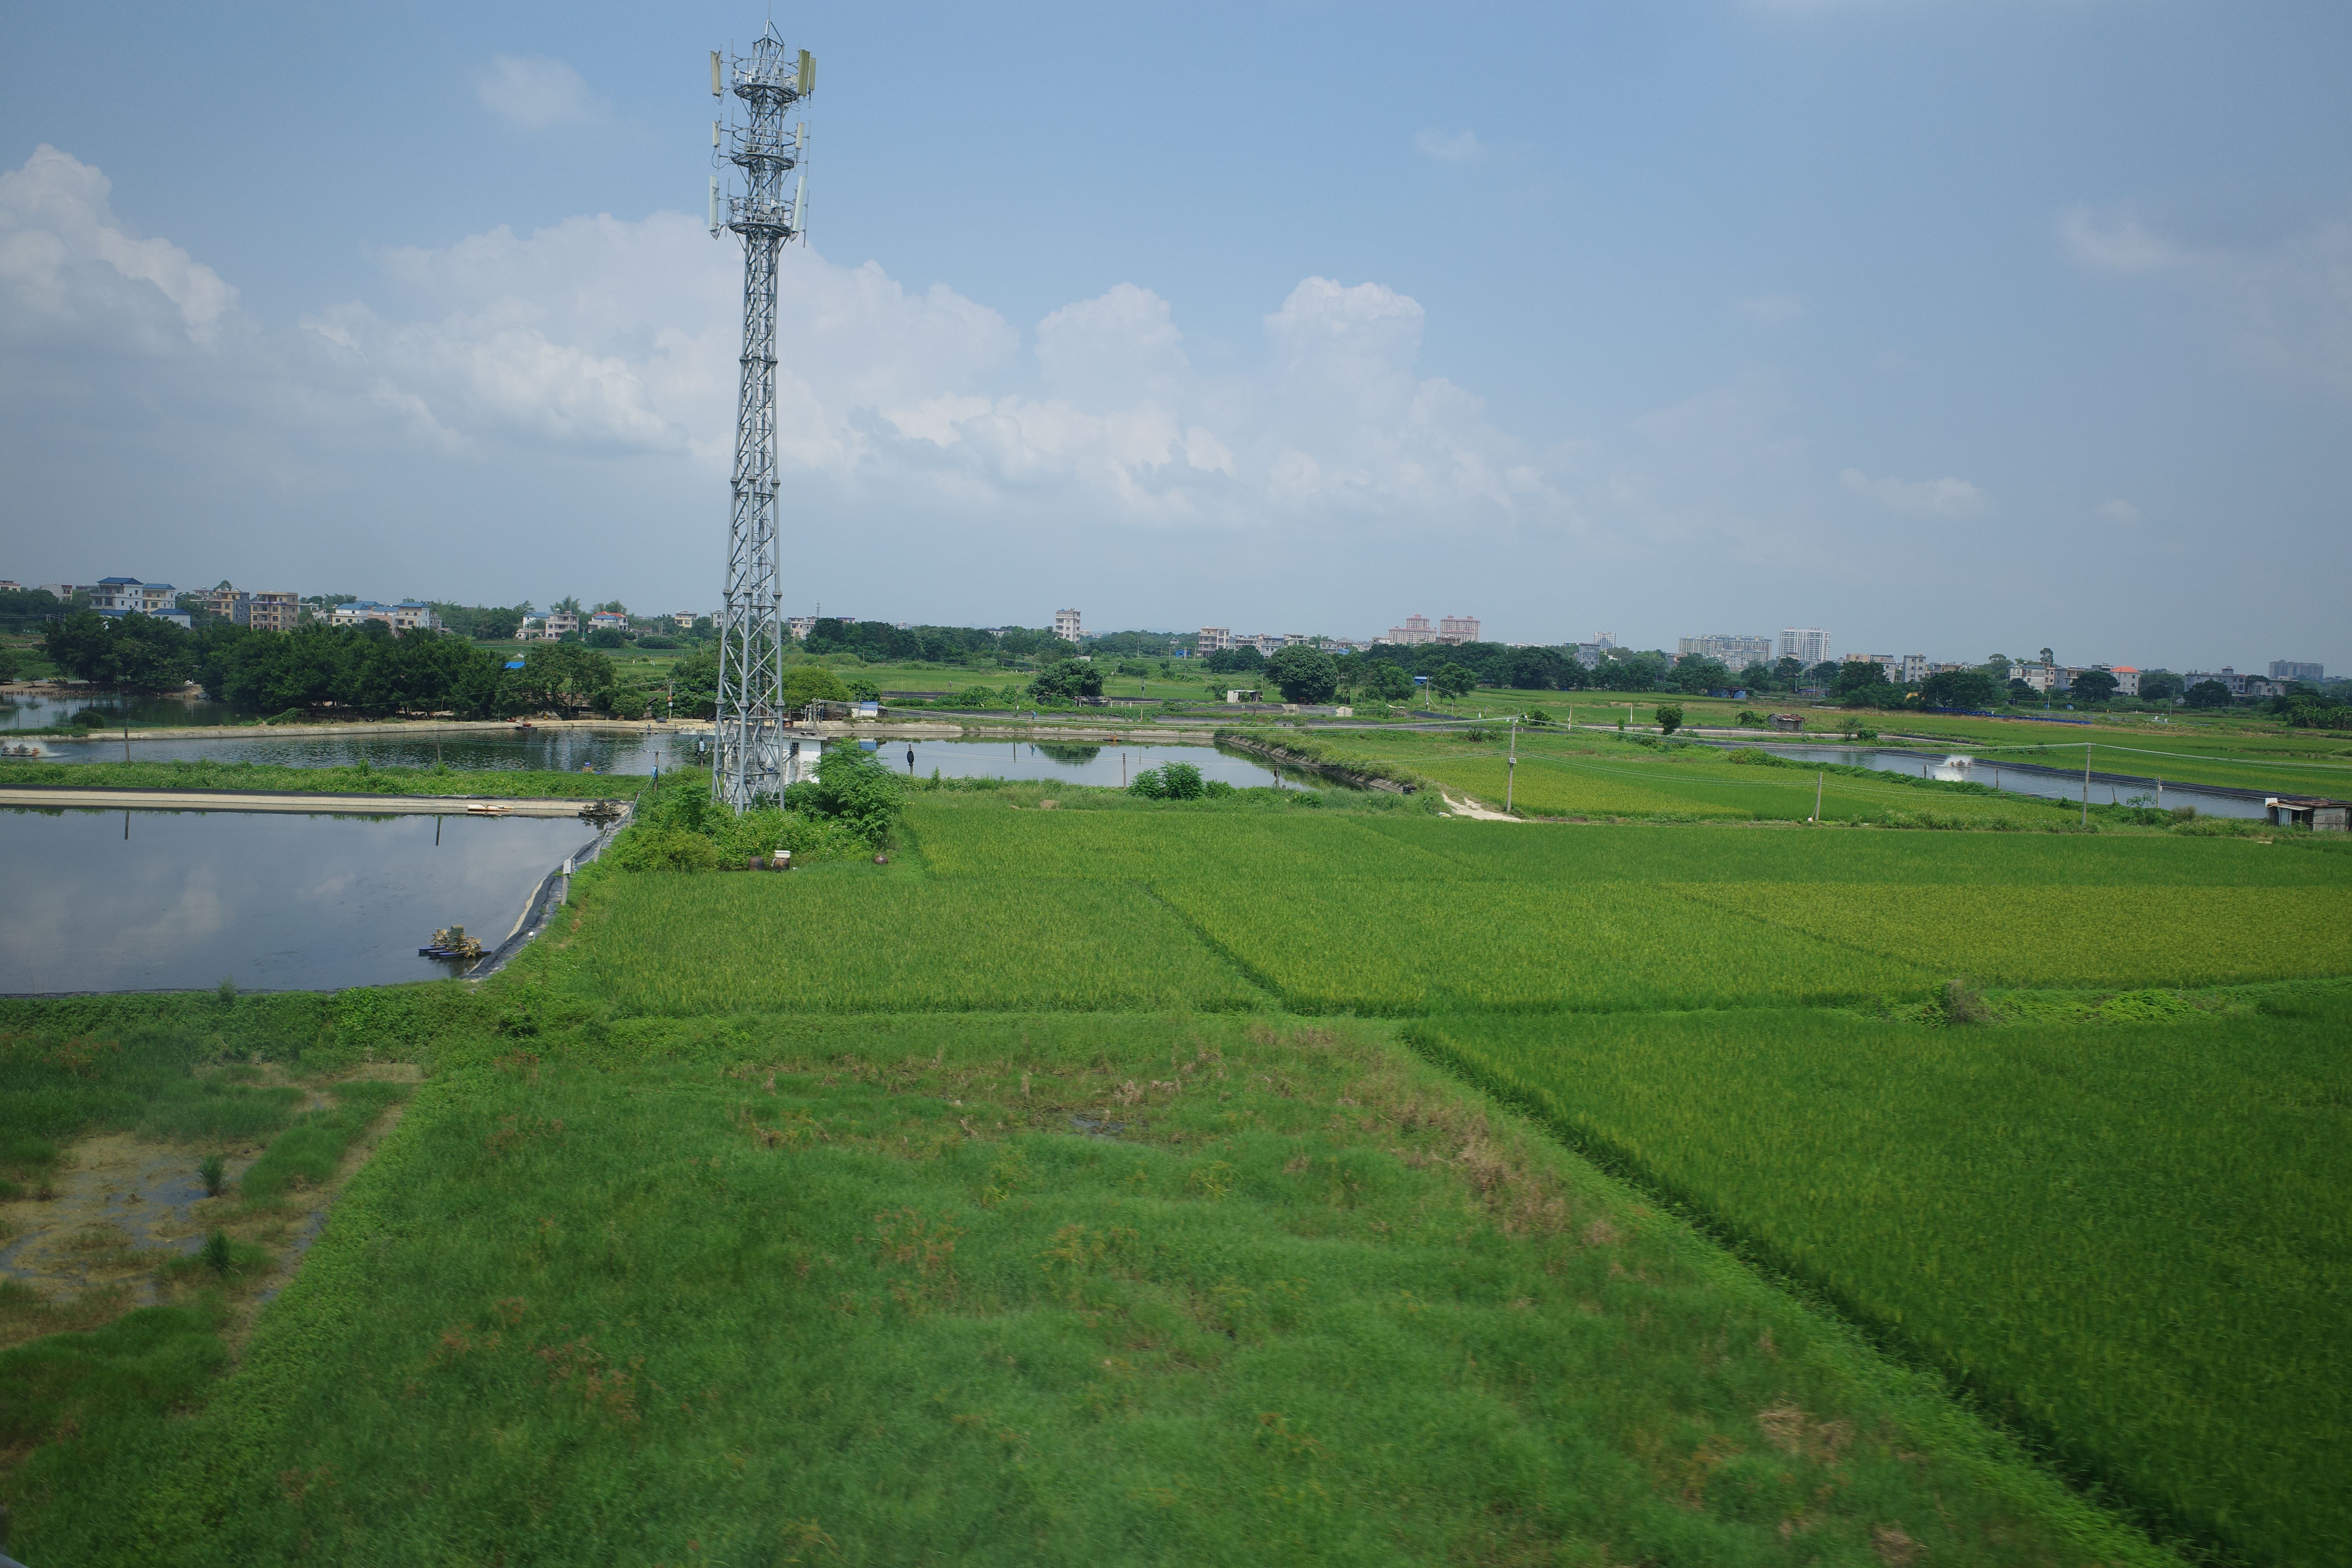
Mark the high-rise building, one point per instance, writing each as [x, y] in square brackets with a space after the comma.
[1065, 624]
[2295, 669]
[1736, 652]
[1416, 629]
[1914, 669]
[1457, 628]
[1809, 646]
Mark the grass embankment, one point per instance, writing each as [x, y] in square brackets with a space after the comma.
[1029, 1289]
[2127, 1235]
[360, 778]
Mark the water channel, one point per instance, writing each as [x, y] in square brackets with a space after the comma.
[2040, 779]
[130, 901]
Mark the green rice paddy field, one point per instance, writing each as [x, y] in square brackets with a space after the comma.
[1195, 1182]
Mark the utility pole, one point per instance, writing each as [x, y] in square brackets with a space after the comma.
[750, 762]
[1511, 775]
[1819, 779]
[2086, 783]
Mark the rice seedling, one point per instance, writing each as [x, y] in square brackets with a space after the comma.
[2125, 1235]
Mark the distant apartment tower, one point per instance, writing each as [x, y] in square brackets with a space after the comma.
[1809, 646]
[1416, 629]
[1215, 640]
[1914, 669]
[1066, 626]
[2295, 669]
[1457, 628]
[1737, 652]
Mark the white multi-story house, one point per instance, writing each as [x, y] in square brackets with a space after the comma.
[603, 619]
[1914, 669]
[799, 626]
[1809, 646]
[1215, 640]
[1733, 651]
[1066, 626]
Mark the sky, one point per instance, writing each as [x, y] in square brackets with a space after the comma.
[1951, 326]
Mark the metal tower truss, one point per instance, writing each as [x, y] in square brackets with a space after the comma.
[753, 762]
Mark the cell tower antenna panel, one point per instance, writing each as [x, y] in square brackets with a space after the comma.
[751, 760]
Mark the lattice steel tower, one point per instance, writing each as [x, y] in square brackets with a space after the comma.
[751, 761]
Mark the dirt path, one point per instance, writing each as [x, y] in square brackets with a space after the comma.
[1463, 806]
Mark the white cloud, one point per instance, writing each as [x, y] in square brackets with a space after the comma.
[2291, 301]
[1771, 309]
[68, 265]
[1934, 498]
[2119, 510]
[563, 402]
[534, 92]
[1448, 146]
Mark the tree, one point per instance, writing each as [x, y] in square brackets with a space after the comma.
[1786, 671]
[1670, 718]
[1960, 688]
[7, 663]
[607, 637]
[1862, 683]
[1065, 681]
[2161, 686]
[1758, 676]
[807, 683]
[569, 604]
[1451, 679]
[2094, 686]
[2049, 658]
[2020, 692]
[854, 788]
[1237, 661]
[138, 652]
[1383, 682]
[2209, 694]
[564, 674]
[1997, 667]
[1696, 674]
[1304, 673]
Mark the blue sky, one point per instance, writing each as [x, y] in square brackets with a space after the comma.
[1954, 326]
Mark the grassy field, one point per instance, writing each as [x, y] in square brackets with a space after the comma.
[1026, 1289]
[1246, 1180]
[2160, 1294]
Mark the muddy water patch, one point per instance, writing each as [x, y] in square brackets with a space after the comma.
[122, 1222]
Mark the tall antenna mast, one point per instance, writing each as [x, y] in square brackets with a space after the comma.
[751, 763]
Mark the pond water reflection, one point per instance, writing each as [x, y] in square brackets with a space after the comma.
[116, 901]
[619, 752]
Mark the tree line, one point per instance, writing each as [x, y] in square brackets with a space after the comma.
[368, 669]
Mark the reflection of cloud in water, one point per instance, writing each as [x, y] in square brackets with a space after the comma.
[270, 900]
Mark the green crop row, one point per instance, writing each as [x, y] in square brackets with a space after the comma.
[1369, 945]
[672, 943]
[2131, 1237]
[2060, 936]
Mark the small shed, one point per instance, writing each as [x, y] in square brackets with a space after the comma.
[2307, 811]
[1788, 721]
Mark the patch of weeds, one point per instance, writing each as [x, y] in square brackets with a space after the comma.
[213, 1170]
[1963, 1003]
[223, 1260]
